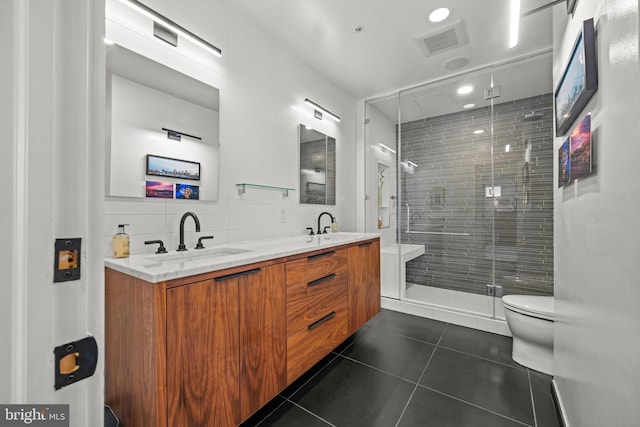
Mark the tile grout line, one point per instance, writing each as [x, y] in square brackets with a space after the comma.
[335, 356]
[288, 399]
[475, 406]
[271, 413]
[483, 358]
[417, 384]
[312, 413]
[419, 378]
[378, 369]
[437, 345]
[533, 403]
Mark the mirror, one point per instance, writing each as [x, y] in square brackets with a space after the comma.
[317, 167]
[143, 97]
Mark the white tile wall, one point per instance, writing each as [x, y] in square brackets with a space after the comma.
[262, 92]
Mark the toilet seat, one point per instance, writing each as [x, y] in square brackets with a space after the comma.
[535, 306]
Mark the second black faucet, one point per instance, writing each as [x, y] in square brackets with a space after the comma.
[181, 246]
[324, 231]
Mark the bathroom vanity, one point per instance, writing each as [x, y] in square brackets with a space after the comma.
[206, 338]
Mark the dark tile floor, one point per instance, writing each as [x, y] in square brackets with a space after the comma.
[403, 370]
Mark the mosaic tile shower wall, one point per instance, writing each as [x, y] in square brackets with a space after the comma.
[319, 156]
[449, 197]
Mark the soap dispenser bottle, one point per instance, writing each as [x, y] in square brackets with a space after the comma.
[334, 225]
[121, 243]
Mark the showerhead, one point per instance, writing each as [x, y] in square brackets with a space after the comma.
[532, 117]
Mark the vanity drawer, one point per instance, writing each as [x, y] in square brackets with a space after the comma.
[304, 270]
[308, 302]
[316, 340]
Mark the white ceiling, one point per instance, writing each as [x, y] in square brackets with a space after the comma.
[384, 56]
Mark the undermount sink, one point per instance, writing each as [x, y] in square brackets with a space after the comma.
[195, 255]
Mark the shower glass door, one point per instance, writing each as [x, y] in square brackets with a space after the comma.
[445, 163]
[523, 175]
[459, 184]
[381, 188]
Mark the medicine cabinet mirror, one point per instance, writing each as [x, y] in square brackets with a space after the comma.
[317, 167]
[143, 97]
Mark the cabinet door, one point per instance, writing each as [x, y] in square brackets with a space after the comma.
[203, 354]
[364, 283]
[263, 337]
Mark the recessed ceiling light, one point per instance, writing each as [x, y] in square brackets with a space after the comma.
[439, 14]
[463, 90]
[471, 105]
[479, 131]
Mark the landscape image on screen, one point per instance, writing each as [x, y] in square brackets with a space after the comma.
[174, 168]
[573, 83]
[581, 149]
[160, 190]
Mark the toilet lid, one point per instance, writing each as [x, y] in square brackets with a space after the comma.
[536, 306]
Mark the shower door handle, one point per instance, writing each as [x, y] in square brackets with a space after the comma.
[441, 233]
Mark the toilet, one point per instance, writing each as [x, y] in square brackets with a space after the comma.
[530, 319]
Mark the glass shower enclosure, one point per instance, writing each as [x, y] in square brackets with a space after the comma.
[459, 184]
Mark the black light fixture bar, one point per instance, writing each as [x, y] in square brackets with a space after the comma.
[172, 26]
[322, 109]
[177, 135]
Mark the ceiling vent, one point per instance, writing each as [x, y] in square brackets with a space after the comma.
[442, 40]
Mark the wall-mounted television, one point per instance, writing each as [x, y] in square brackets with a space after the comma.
[579, 80]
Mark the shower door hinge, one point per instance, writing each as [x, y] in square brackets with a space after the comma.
[492, 92]
[366, 121]
[495, 291]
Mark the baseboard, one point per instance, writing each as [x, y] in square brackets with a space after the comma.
[495, 326]
[557, 402]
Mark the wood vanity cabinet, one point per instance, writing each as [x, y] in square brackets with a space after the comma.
[195, 353]
[364, 283]
[211, 349]
[317, 318]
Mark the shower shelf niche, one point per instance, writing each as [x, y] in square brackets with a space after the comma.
[383, 195]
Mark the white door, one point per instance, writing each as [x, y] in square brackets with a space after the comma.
[51, 114]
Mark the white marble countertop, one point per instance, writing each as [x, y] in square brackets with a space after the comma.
[173, 265]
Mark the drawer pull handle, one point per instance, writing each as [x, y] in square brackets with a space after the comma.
[321, 255]
[321, 321]
[254, 271]
[234, 275]
[320, 280]
[365, 244]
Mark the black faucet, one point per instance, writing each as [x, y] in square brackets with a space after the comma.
[200, 245]
[320, 231]
[161, 248]
[181, 246]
